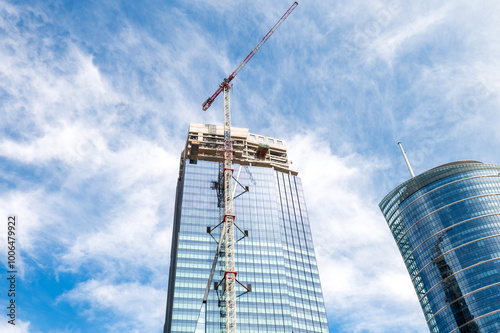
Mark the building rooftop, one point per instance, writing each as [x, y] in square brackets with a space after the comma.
[456, 163]
[205, 142]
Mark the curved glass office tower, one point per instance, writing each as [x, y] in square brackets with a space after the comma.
[274, 253]
[446, 223]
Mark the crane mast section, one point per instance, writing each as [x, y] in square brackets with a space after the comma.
[230, 272]
[225, 82]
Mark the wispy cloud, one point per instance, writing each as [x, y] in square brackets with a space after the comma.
[95, 101]
[359, 264]
[20, 327]
[93, 188]
[133, 307]
[387, 45]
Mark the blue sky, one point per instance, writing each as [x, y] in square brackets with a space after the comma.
[96, 98]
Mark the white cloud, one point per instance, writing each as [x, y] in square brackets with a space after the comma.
[69, 143]
[101, 194]
[139, 308]
[48, 87]
[359, 264]
[143, 177]
[20, 326]
[27, 207]
[388, 44]
[98, 123]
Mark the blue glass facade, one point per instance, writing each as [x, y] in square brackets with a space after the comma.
[277, 258]
[446, 223]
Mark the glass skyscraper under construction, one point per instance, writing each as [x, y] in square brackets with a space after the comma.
[274, 254]
[446, 223]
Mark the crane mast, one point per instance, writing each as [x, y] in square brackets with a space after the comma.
[229, 217]
[230, 273]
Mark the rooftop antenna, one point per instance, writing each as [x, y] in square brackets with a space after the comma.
[406, 160]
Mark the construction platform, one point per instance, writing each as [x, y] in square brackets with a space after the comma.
[205, 142]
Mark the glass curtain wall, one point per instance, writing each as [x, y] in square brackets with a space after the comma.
[446, 223]
[277, 258]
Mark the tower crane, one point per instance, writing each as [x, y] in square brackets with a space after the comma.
[228, 226]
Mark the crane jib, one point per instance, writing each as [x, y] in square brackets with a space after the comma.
[210, 100]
